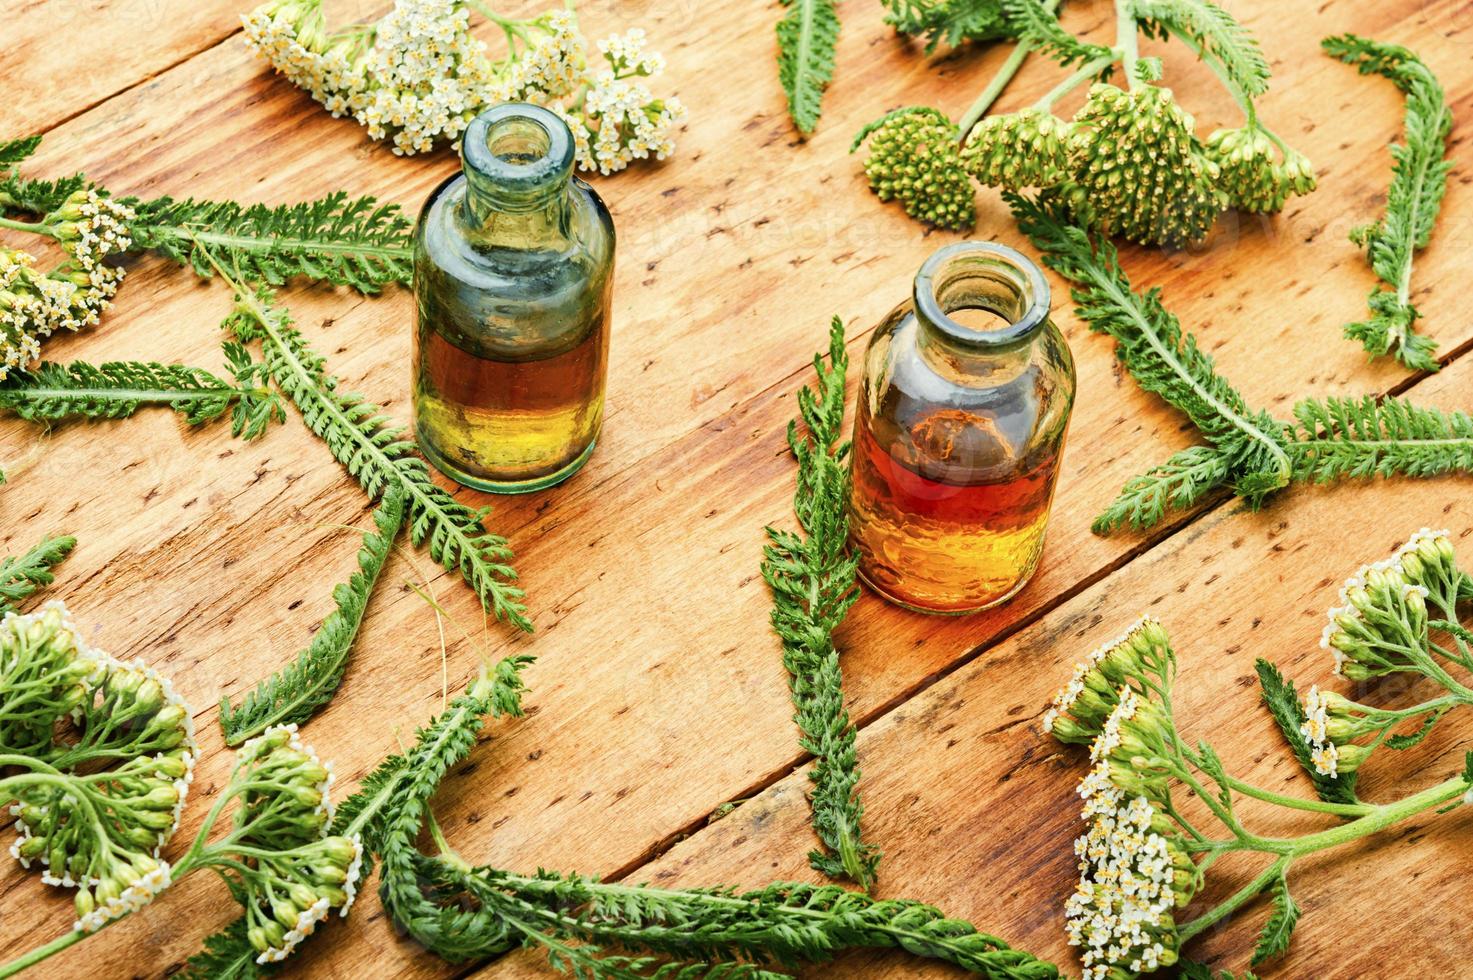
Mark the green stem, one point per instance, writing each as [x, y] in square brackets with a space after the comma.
[1374, 822]
[1233, 903]
[1084, 73]
[34, 227]
[994, 88]
[1298, 803]
[1127, 40]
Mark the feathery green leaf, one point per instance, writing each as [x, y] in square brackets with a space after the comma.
[1223, 42]
[1361, 437]
[1037, 24]
[373, 451]
[1176, 484]
[806, 38]
[812, 578]
[355, 242]
[227, 955]
[14, 151]
[20, 577]
[1283, 703]
[1274, 939]
[50, 392]
[952, 22]
[1150, 343]
[1418, 182]
[295, 693]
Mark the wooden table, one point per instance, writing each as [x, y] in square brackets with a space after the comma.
[658, 694]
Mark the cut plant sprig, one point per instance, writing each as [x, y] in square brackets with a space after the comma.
[812, 578]
[1143, 860]
[1129, 163]
[97, 798]
[1418, 182]
[1330, 439]
[51, 392]
[22, 576]
[373, 451]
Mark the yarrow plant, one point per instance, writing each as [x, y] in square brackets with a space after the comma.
[1128, 163]
[1145, 854]
[103, 753]
[418, 76]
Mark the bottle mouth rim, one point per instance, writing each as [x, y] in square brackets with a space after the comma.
[528, 178]
[1020, 272]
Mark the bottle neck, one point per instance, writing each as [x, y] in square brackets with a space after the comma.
[518, 163]
[979, 308]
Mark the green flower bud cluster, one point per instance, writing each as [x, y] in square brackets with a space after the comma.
[1331, 723]
[1251, 174]
[129, 883]
[1138, 170]
[285, 809]
[1381, 627]
[914, 159]
[1019, 150]
[1081, 708]
[43, 672]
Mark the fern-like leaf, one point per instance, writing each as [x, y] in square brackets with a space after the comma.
[1176, 484]
[374, 453]
[295, 693]
[20, 577]
[812, 578]
[1036, 24]
[226, 955]
[1418, 182]
[1360, 438]
[355, 242]
[1163, 358]
[1223, 42]
[14, 151]
[950, 22]
[1274, 940]
[806, 38]
[51, 392]
[1283, 703]
[30, 196]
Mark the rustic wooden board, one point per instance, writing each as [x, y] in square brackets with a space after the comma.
[206, 556]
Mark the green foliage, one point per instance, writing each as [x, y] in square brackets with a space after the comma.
[355, 242]
[52, 392]
[806, 38]
[14, 151]
[1150, 343]
[812, 578]
[1279, 930]
[1223, 42]
[30, 196]
[1282, 701]
[373, 451]
[1191, 970]
[20, 577]
[295, 693]
[952, 22]
[1364, 437]
[227, 955]
[1176, 484]
[1418, 182]
[1036, 23]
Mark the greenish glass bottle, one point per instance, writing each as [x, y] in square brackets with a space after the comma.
[513, 271]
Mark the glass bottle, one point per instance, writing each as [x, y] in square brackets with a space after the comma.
[513, 270]
[963, 408]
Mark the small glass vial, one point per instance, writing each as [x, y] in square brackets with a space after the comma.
[513, 270]
[963, 408]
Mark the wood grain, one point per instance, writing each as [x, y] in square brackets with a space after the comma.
[207, 556]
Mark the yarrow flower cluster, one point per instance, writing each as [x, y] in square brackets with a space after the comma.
[286, 810]
[1084, 704]
[90, 227]
[419, 76]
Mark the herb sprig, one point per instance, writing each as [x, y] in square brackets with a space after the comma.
[295, 693]
[806, 38]
[1144, 861]
[22, 576]
[813, 581]
[1418, 182]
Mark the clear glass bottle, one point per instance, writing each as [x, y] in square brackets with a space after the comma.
[963, 409]
[513, 270]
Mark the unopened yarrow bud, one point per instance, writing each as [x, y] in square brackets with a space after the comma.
[1019, 150]
[914, 159]
[1083, 704]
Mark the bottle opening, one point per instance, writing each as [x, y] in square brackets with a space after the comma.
[517, 156]
[981, 294]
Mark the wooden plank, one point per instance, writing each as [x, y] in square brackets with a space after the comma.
[975, 808]
[753, 244]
